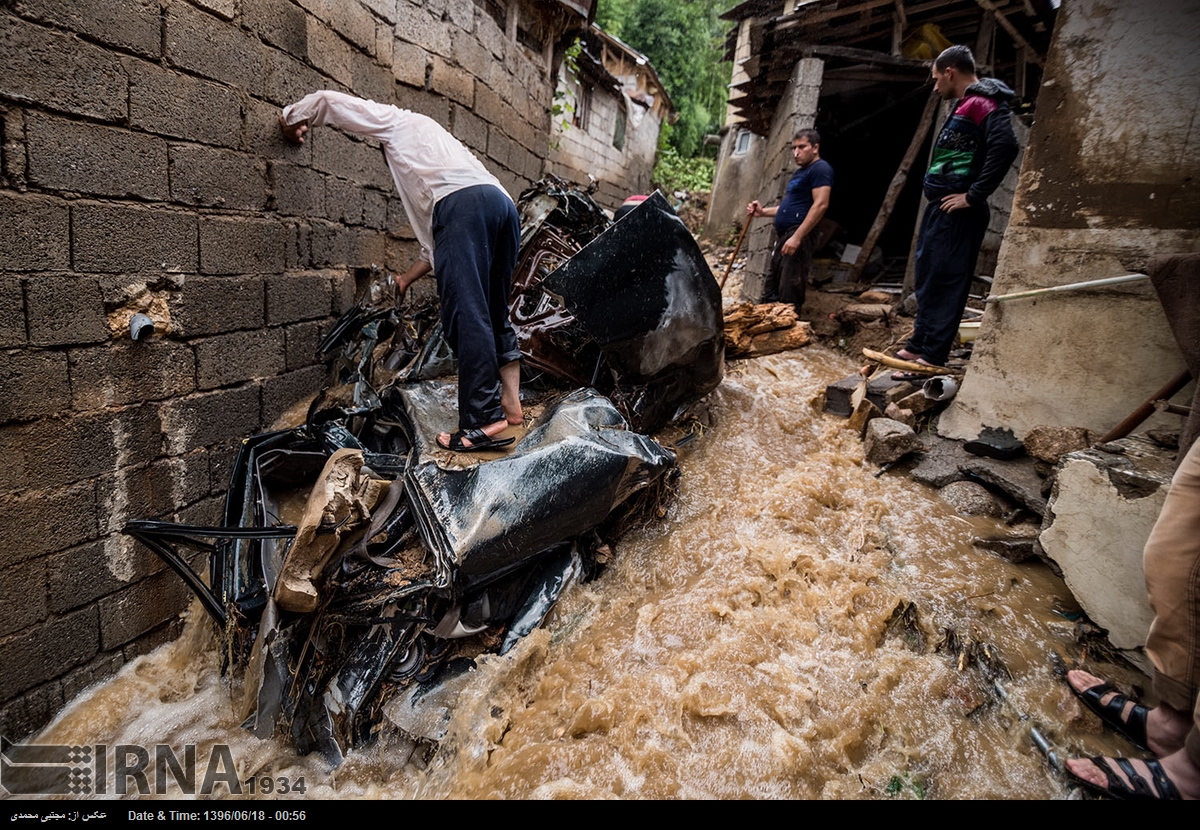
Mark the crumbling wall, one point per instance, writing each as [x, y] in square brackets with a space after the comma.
[797, 110]
[1109, 180]
[142, 171]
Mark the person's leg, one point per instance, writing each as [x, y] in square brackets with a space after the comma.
[463, 247]
[950, 247]
[793, 274]
[771, 286]
[922, 268]
[506, 246]
[1172, 567]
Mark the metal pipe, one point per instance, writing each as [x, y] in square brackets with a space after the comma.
[1069, 287]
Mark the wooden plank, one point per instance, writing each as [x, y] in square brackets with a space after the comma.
[899, 24]
[1012, 31]
[893, 192]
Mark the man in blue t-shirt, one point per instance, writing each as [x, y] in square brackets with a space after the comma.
[796, 217]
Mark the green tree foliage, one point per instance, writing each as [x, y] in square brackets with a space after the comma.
[684, 40]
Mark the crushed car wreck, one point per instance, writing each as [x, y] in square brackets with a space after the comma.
[359, 567]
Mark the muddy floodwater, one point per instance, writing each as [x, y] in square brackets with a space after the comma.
[738, 647]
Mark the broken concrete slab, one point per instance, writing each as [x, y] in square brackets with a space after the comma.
[1050, 443]
[1014, 549]
[1016, 479]
[838, 396]
[888, 440]
[939, 465]
[1101, 511]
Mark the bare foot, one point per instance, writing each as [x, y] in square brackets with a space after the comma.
[1166, 729]
[905, 354]
[491, 431]
[510, 393]
[1135, 778]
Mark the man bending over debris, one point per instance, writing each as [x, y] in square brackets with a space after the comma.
[469, 233]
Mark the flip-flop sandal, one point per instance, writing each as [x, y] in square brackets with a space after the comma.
[1133, 728]
[479, 439]
[910, 376]
[1159, 788]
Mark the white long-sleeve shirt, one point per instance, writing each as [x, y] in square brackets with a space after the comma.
[426, 162]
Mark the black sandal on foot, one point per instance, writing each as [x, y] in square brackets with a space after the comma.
[479, 439]
[1133, 728]
[1159, 788]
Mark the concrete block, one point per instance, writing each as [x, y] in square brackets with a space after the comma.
[180, 106]
[409, 63]
[64, 310]
[383, 8]
[1096, 535]
[237, 357]
[48, 650]
[26, 582]
[356, 24]
[469, 128]
[461, 13]
[212, 418]
[370, 78]
[375, 209]
[385, 36]
[206, 46]
[279, 22]
[37, 233]
[287, 79]
[141, 608]
[301, 341]
[125, 372]
[298, 191]
[90, 159]
[343, 201]
[211, 305]
[28, 713]
[327, 245]
[357, 161]
[261, 138]
[417, 24]
[122, 238]
[295, 297]
[366, 247]
[231, 245]
[33, 68]
[126, 24]
[101, 668]
[12, 149]
[282, 393]
[52, 453]
[81, 575]
[224, 9]
[452, 81]
[34, 383]
[152, 490]
[217, 178]
[328, 52]
[207, 512]
[426, 103]
[887, 441]
[12, 314]
[160, 635]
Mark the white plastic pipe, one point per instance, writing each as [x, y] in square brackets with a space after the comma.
[1069, 287]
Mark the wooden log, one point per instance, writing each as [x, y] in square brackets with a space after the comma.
[754, 330]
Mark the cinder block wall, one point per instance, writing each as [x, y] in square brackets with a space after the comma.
[142, 171]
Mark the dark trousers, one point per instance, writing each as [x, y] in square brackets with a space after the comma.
[787, 276]
[947, 248]
[476, 235]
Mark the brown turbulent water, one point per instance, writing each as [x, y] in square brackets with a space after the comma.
[738, 648]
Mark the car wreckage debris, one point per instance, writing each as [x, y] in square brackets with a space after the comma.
[359, 568]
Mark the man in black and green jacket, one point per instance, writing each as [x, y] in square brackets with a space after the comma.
[970, 158]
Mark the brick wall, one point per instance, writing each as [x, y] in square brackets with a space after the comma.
[142, 172]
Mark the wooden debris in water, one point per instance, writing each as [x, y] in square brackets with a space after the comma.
[767, 328]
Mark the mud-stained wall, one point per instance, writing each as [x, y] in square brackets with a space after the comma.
[1109, 180]
[142, 171]
[797, 110]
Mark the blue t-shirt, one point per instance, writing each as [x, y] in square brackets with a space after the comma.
[798, 200]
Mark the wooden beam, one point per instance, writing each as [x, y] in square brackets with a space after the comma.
[1034, 57]
[898, 180]
[867, 56]
[899, 24]
[985, 43]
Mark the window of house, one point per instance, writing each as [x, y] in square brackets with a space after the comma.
[583, 107]
[619, 130]
[741, 144]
